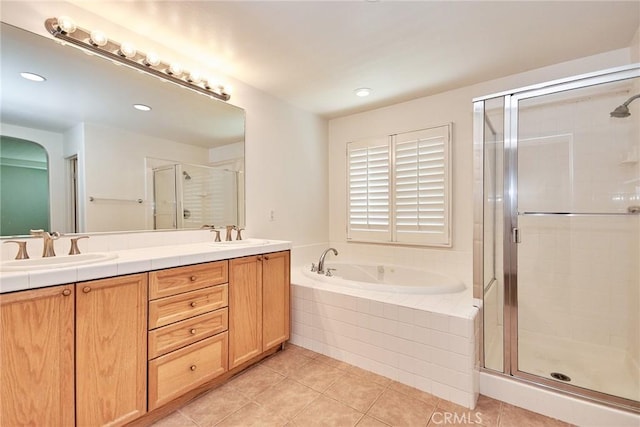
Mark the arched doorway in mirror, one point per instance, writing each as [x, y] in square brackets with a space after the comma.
[24, 186]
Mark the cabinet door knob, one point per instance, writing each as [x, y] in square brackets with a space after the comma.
[193, 367]
[66, 292]
[266, 258]
[193, 331]
[260, 258]
[86, 289]
[193, 304]
[193, 278]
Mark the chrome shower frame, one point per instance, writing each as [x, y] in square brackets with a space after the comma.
[510, 193]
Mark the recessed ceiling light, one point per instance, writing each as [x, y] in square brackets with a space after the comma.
[363, 91]
[141, 107]
[32, 77]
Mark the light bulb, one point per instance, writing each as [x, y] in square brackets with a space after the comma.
[127, 50]
[142, 107]
[32, 77]
[211, 83]
[363, 91]
[194, 77]
[98, 38]
[66, 24]
[175, 69]
[152, 59]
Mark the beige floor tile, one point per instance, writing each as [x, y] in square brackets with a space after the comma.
[333, 362]
[303, 351]
[175, 419]
[427, 398]
[317, 375]
[368, 375]
[255, 381]
[327, 412]
[357, 392]
[513, 416]
[286, 362]
[451, 414]
[398, 409]
[489, 410]
[368, 421]
[214, 406]
[251, 415]
[287, 398]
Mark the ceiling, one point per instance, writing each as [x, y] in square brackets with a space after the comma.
[313, 54]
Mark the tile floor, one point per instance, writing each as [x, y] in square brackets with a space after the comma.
[297, 387]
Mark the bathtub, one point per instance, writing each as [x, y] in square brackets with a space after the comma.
[413, 326]
[387, 278]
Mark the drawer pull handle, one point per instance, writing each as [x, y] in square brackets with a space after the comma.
[193, 331]
[66, 292]
[193, 278]
[193, 367]
[193, 304]
[86, 289]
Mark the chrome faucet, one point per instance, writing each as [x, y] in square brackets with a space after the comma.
[321, 262]
[48, 239]
[229, 229]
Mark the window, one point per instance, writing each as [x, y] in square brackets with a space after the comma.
[399, 188]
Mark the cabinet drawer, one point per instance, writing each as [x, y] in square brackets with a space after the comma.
[174, 281]
[172, 309]
[178, 372]
[169, 338]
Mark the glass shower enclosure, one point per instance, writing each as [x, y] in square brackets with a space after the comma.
[557, 234]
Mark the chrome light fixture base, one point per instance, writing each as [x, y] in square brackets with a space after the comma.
[112, 50]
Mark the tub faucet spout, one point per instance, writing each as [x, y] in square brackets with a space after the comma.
[321, 262]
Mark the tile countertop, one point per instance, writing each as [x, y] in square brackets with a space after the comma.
[133, 261]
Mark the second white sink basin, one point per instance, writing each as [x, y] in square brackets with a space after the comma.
[56, 261]
[240, 243]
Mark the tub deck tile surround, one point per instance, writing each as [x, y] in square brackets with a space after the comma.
[286, 399]
[423, 341]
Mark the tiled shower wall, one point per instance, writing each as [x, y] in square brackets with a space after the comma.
[579, 276]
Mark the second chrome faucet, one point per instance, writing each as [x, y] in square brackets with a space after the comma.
[321, 261]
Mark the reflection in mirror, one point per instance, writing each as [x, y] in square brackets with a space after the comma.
[83, 115]
[24, 186]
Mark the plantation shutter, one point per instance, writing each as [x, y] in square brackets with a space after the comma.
[421, 187]
[368, 166]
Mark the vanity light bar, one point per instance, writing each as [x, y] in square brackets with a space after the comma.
[64, 29]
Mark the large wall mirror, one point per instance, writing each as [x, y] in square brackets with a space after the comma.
[112, 167]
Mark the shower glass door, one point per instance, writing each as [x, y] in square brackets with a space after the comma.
[575, 249]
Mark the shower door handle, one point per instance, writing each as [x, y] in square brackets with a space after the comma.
[515, 235]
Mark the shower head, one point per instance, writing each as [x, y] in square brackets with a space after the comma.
[622, 111]
[186, 175]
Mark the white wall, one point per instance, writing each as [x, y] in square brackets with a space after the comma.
[452, 106]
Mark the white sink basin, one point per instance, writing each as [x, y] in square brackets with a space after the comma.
[240, 243]
[56, 262]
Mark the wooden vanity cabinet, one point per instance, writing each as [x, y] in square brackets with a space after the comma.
[37, 357]
[111, 356]
[90, 337]
[258, 305]
[188, 322]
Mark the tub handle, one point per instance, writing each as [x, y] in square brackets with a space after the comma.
[329, 272]
[313, 267]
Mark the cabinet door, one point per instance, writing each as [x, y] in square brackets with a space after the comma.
[275, 299]
[111, 343]
[245, 309]
[36, 357]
